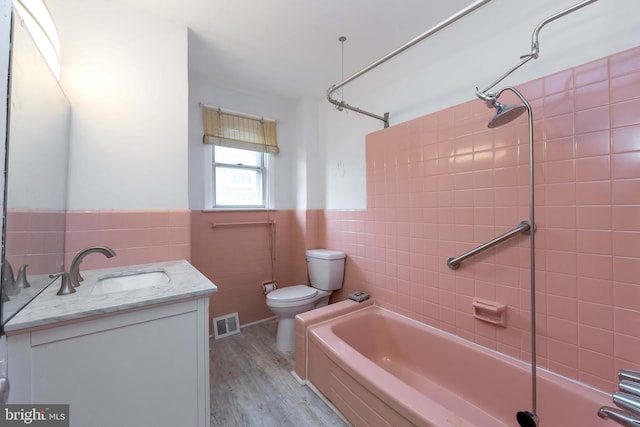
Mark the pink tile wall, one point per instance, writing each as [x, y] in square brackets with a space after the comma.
[137, 236]
[444, 183]
[35, 238]
[237, 258]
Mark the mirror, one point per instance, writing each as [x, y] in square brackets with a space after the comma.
[36, 184]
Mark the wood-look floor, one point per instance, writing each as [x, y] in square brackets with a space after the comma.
[252, 385]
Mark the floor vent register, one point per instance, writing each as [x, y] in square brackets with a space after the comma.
[226, 325]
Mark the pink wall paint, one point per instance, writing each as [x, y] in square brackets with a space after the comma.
[237, 258]
[444, 183]
[137, 237]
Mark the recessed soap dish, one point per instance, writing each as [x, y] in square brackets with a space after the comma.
[490, 311]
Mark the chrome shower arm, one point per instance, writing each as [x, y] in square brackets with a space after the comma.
[535, 48]
[490, 96]
[535, 45]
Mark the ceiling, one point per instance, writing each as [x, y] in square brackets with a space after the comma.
[290, 48]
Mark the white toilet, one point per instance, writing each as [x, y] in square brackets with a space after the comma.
[326, 271]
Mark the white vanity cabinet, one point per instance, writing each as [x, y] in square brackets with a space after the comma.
[140, 368]
[142, 365]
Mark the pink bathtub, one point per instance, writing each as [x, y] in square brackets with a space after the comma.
[379, 369]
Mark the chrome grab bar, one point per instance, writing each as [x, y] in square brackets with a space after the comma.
[523, 227]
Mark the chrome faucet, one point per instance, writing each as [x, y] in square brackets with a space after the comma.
[628, 399]
[74, 270]
[9, 281]
[621, 417]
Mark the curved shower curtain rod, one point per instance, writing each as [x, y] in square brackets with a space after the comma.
[484, 94]
[341, 105]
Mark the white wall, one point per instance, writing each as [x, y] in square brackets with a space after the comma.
[290, 122]
[38, 130]
[125, 73]
[342, 139]
[443, 71]
[308, 158]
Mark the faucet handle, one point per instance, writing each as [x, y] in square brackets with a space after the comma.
[21, 278]
[65, 286]
[8, 280]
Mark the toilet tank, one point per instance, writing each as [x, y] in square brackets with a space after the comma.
[326, 268]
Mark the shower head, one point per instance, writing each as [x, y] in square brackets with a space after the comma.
[505, 113]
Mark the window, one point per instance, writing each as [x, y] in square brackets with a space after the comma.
[236, 176]
[239, 178]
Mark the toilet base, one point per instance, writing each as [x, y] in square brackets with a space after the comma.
[285, 337]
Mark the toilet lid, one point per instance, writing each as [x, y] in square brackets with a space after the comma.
[292, 293]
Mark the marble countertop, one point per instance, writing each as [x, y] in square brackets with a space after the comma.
[38, 283]
[48, 308]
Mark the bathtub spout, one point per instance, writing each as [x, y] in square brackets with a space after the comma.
[621, 417]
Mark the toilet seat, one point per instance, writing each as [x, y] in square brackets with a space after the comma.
[297, 293]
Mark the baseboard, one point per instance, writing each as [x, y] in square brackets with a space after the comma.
[253, 323]
[298, 379]
[258, 321]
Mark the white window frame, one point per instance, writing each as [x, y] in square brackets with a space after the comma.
[209, 183]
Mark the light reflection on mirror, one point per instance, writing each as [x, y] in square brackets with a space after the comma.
[38, 21]
[37, 151]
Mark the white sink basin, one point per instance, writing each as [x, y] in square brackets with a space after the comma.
[129, 281]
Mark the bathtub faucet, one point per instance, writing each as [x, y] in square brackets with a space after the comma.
[627, 399]
[621, 417]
